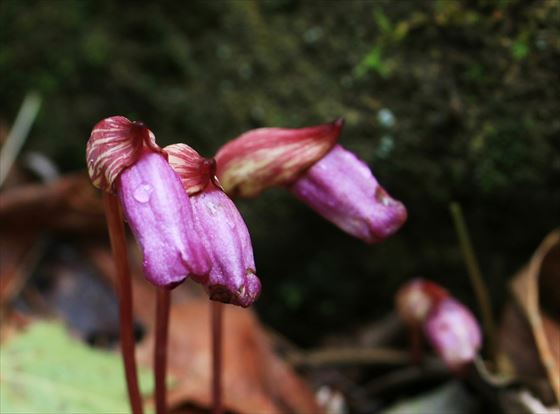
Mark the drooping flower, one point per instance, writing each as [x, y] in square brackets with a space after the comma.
[123, 158]
[454, 333]
[448, 325]
[223, 232]
[330, 179]
[342, 189]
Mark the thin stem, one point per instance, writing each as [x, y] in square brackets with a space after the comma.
[475, 276]
[416, 350]
[217, 311]
[160, 351]
[124, 288]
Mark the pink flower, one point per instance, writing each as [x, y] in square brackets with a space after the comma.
[123, 158]
[325, 176]
[454, 333]
[223, 232]
[342, 189]
[449, 326]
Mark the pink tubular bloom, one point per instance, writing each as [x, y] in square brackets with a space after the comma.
[123, 158]
[342, 189]
[322, 174]
[449, 326]
[232, 277]
[223, 232]
[454, 333]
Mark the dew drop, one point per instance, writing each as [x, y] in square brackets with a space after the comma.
[212, 208]
[142, 193]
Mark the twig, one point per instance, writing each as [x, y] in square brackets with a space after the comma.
[160, 350]
[352, 356]
[124, 288]
[406, 376]
[475, 276]
[18, 134]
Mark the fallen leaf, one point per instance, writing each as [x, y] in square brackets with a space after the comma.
[255, 379]
[43, 369]
[535, 289]
[19, 252]
[67, 204]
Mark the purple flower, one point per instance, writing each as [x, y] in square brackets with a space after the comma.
[454, 333]
[123, 157]
[160, 215]
[328, 178]
[232, 277]
[223, 232]
[342, 189]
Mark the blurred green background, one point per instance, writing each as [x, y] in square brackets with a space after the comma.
[445, 100]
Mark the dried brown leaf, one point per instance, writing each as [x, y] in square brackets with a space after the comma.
[255, 380]
[535, 289]
[67, 204]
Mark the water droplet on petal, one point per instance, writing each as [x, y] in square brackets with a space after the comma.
[142, 193]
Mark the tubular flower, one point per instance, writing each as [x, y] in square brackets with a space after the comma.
[123, 157]
[454, 333]
[232, 277]
[322, 174]
[448, 325]
[342, 189]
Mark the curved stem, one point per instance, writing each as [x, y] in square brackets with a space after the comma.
[475, 275]
[160, 350]
[124, 288]
[217, 311]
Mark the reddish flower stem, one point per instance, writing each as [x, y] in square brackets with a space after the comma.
[217, 312]
[160, 350]
[416, 351]
[124, 288]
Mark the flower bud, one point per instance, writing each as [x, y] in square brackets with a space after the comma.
[342, 189]
[223, 232]
[454, 333]
[416, 299]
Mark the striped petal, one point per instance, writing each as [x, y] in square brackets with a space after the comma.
[268, 157]
[194, 170]
[417, 299]
[116, 143]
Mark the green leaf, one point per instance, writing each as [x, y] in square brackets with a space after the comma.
[44, 370]
[383, 23]
[520, 49]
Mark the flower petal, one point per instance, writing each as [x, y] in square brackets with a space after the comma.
[116, 143]
[341, 188]
[416, 299]
[453, 331]
[268, 157]
[232, 277]
[160, 215]
[194, 170]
